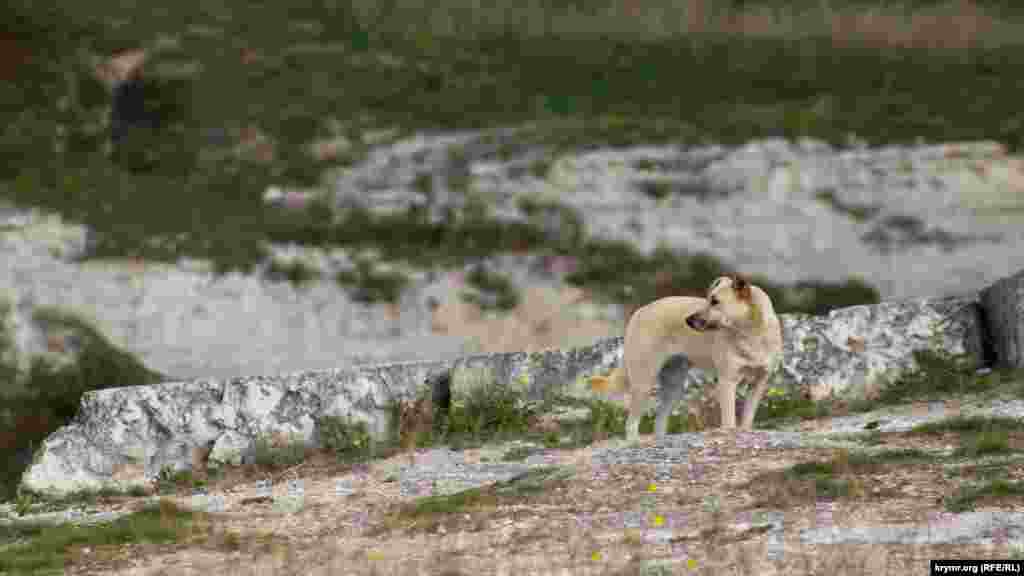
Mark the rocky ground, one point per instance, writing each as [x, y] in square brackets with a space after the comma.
[611, 506]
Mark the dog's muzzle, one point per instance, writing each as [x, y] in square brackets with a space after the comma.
[697, 322]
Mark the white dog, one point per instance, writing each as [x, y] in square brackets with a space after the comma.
[734, 331]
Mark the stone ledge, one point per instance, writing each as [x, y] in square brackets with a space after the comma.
[125, 436]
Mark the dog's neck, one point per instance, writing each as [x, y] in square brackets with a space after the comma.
[763, 313]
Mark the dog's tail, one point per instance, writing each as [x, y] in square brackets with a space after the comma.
[614, 382]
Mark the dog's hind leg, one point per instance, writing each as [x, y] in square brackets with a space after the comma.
[642, 375]
[637, 407]
[672, 386]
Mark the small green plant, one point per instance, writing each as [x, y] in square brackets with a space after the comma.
[137, 491]
[540, 168]
[552, 438]
[562, 225]
[365, 284]
[778, 406]
[606, 420]
[493, 291]
[280, 452]
[170, 480]
[483, 409]
[23, 503]
[646, 164]
[165, 480]
[295, 272]
[345, 438]
[490, 414]
[656, 189]
[423, 183]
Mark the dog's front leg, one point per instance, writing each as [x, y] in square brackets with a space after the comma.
[757, 390]
[728, 379]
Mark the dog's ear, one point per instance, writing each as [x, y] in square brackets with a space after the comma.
[743, 292]
[742, 288]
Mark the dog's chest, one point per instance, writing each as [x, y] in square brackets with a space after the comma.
[753, 352]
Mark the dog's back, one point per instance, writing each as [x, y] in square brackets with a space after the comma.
[658, 331]
[655, 333]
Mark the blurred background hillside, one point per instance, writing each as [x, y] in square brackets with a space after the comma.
[161, 129]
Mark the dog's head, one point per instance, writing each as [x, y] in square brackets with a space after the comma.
[731, 303]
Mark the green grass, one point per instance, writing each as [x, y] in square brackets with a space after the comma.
[487, 413]
[46, 546]
[29, 502]
[967, 497]
[937, 375]
[432, 511]
[780, 407]
[970, 424]
[843, 476]
[986, 442]
[847, 474]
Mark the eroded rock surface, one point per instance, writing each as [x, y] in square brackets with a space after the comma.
[856, 351]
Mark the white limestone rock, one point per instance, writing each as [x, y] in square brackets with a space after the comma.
[848, 352]
[853, 352]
